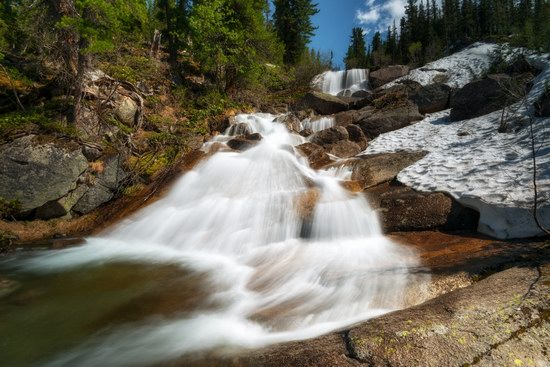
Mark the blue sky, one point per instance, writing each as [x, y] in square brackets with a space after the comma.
[336, 18]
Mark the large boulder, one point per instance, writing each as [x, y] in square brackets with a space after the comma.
[372, 170]
[403, 209]
[357, 136]
[324, 104]
[331, 135]
[387, 74]
[490, 94]
[336, 141]
[389, 120]
[345, 149]
[432, 98]
[405, 87]
[35, 170]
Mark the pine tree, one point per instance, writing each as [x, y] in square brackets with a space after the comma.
[356, 56]
[292, 21]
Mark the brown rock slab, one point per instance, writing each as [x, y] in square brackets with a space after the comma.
[403, 209]
[372, 170]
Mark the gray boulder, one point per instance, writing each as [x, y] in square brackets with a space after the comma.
[387, 74]
[126, 110]
[431, 98]
[324, 104]
[101, 188]
[484, 96]
[35, 170]
[389, 120]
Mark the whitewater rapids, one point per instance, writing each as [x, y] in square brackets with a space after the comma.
[288, 252]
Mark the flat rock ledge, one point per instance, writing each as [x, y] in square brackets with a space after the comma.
[502, 320]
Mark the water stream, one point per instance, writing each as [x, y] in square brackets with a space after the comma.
[343, 82]
[246, 250]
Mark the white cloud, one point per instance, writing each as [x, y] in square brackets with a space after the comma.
[365, 17]
[395, 8]
[379, 17]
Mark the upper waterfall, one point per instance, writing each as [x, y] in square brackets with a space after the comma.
[343, 82]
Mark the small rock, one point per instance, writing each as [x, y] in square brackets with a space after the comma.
[325, 104]
[315, 154]
[330, 136]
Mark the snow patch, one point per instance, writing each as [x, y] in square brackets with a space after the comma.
[480, 167]
[455, 70]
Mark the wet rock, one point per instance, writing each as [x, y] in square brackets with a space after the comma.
[501, 320]
[291, 121]
[484, 96]
[356, 135]
[389, 120]
[306, 132]
[315, 154]
[244, 142]
[432, 98]
[35, 170]
[387, 74]
[240, 128]
[372, 170]
[324, 104]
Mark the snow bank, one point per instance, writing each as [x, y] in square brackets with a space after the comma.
[480, 167]
[455, 70]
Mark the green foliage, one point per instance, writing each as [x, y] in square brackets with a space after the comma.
[99, 23]
[231, 40]
[356, 57]
[42, 119]
[131, 68]
[292, 22]
[311, 64]
[9, 208]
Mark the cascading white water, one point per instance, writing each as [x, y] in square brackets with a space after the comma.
[289, 253]
[343, 82]
[319, 124]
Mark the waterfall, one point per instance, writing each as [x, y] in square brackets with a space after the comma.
[319, 124]
[288, 253]
[344, 82]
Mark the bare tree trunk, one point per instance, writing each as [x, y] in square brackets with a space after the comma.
[68, 38]
[155, 45]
